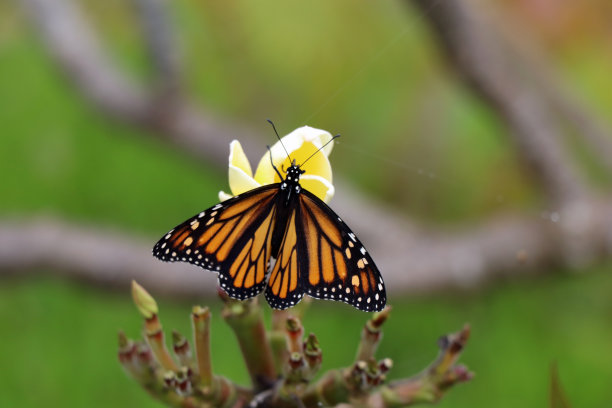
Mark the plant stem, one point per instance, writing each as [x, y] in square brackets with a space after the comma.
[155, 339]
[277, 338]
[182, 351]
[246, 320]
[371, 335]
[430, 385]
[200, 319]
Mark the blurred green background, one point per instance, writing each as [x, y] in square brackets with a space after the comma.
[368, 70]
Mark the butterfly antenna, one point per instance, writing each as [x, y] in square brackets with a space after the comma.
[319, 149]
[272, 163]
[279, 139]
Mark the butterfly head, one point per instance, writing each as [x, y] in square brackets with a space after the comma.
[294, 171]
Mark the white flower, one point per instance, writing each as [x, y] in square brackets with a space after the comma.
[300, 144]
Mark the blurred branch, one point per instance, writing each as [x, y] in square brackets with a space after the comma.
[101, 256]
[76, 48]
[517, 245]
[66, 33]
[163, 50]
[477, 52]
[593, 129]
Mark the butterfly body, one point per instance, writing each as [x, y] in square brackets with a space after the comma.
[288, 191]
[281, 239]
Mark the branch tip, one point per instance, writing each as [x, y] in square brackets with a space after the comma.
[311, 344]
[123, 340]
[144, 302]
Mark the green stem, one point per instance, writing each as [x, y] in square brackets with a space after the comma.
[200, 319]
[182, 351]
[277, 338]
[155, 339]
[329, 390]
[294, 332]
[371, 335]
[431, 384]
[246, 320]
[313, 355]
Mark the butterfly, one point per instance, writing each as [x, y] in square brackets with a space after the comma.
[280, 239]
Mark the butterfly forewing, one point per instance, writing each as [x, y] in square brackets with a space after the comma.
[232, 238]
[334, 264]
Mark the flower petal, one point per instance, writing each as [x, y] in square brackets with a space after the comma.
[224, 196]
[265, 173]
[318, 137]
[240, 182]
[240, 173]
[238, 159]
[318, 186]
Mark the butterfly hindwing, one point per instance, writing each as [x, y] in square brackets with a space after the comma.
[284, 285]
[335, 263]
[232, 238]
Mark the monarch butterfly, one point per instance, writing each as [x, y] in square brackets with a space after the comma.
[314, 251]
